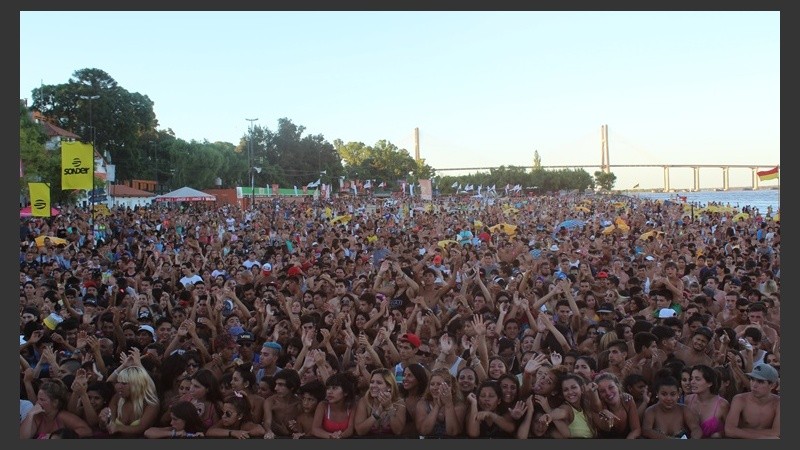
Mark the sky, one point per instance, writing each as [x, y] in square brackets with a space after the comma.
[484, 89]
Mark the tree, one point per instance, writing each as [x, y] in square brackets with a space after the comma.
[605, 180]
[117, 116]
[537, 160]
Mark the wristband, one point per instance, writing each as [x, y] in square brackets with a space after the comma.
[376, 416]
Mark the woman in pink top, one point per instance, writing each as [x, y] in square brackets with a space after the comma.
[706, 402]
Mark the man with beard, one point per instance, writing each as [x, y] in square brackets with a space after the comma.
[696, 352]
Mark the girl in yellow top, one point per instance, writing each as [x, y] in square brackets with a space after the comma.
[573, 418]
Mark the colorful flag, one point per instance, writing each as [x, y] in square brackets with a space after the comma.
[40, 199]
[771, 174]
[77, 160]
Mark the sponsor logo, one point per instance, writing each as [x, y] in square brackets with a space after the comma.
[39, 204]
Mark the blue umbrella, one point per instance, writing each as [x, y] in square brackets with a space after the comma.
[569, 224]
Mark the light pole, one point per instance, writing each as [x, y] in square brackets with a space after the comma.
[250, 165]
[154, 145]
[92, 193]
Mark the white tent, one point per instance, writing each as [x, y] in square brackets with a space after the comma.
[185, 194]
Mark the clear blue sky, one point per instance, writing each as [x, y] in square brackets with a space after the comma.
[484, 88]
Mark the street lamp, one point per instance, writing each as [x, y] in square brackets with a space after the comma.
[92, 193]
[250, 165]
[154, 145]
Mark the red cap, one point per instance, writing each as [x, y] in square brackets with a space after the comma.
[294, 272]
[412, 339]
[437, 259]
[602, 275]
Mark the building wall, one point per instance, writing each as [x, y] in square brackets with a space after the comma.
[224, 196]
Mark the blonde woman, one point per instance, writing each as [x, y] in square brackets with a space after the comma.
[381, 411]
[135, 406]
[441, 410]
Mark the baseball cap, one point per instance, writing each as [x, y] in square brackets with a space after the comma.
[437, 259]
[412, 339]
[606, 308]
[705, 331]
[294, 271]
[663, 313]
[245, 336]
[149, 329]
[602, 274]
[554, 248]
[266, 268]
[764, 371]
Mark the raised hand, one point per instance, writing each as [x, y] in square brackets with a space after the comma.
[556, 358]
[446, 344]
[479, 325]
[518, 410]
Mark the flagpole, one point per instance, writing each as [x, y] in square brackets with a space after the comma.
[92, 193]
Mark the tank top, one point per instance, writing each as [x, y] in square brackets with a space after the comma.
[454, 368]
[45, 435]
[712, 424]
[330, 425]
[579, 427]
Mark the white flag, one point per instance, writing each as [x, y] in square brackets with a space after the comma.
[455, 185]
[382, 185]
[411, 189]
[313, 184]
[368, 184]
[295, 191]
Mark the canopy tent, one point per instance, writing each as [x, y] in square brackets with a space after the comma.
[26, 212]
[185, 194]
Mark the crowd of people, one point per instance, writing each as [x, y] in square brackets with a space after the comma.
[545, 317]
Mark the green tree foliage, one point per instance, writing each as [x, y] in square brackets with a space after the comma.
[604, 180]
[383, 161]
[117, 116]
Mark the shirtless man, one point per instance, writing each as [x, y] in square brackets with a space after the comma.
[283, 406]
[756, 414]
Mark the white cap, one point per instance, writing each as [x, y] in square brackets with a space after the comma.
[149, 329]
[649, 258]
[554, 248]
[663, 313]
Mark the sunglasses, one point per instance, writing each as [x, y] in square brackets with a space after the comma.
[195, 365]
[227, 414]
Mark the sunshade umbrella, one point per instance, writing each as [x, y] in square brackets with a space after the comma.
[741, 215]
[647, 235]
[570, 223]
[341, 219]
[54, 240]
[506, 228]
[26, 212]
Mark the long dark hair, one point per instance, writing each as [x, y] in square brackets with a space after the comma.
[421, 374]
[186, 411]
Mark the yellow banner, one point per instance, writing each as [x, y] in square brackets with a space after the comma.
[40, 199]
[77, 162]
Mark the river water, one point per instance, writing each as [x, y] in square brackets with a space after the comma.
[760, 199]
